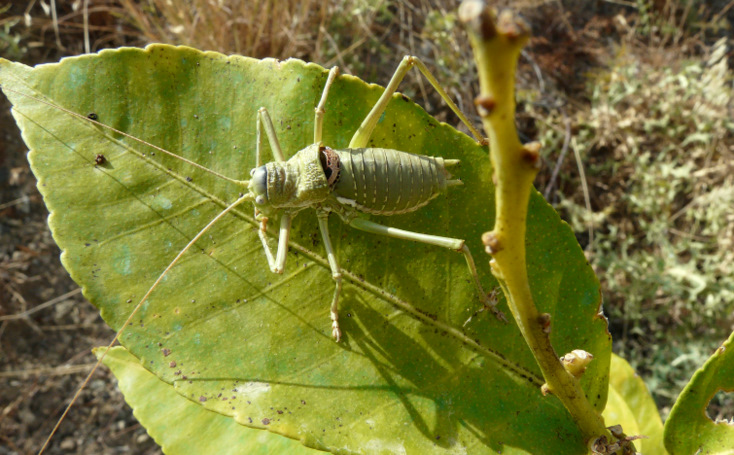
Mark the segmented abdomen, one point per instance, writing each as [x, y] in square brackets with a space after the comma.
[387, 182]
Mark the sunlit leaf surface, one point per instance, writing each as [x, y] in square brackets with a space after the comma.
[235, 338]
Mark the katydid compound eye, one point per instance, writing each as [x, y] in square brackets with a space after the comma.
[260, 200]
[259, 180]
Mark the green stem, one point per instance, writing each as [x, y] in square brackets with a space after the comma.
[497, 42]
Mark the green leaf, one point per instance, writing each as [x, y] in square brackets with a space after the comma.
[631, 405]
[171, 419]
[239, 340]
[688, 428]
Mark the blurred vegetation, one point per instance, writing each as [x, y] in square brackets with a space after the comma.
[630, 98]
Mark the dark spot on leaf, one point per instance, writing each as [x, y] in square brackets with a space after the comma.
[172, 364]
[202, 399]
[92, 116]
[266, 421]
[166, 352]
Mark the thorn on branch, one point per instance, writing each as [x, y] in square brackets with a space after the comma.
[545, 322]
[491, 242]
[512, 26]
[485, 22]
[479, 17]
[531, 154]
[485, 105]
[576, 361]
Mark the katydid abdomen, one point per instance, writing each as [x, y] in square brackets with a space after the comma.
[388, 182]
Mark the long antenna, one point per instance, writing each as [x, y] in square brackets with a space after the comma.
[129, 136]
[246, 197]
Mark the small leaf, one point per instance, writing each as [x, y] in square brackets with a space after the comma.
[631, 405]
[689, 430]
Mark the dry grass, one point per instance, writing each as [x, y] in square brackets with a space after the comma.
[248, 27]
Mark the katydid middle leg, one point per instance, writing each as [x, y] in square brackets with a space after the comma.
[458, 245]
[323, 217]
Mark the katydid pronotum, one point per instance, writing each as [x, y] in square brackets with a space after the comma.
[344, 205]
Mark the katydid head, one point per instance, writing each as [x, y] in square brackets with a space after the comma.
[266, 187]
[297, 183]
[259, 184]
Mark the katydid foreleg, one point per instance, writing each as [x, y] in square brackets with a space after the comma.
[319, 117]
[277, 263]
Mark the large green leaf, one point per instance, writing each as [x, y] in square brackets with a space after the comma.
[688, 428]
[239, 340]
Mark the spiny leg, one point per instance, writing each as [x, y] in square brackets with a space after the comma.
[445, 242]
[319, 118]
[362, 136]
[264, 118]
[277, 263]
[336, 274]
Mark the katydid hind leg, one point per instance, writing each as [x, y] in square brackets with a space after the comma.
[336, 274]
[277, 262]
[364, 132]
[457, 245]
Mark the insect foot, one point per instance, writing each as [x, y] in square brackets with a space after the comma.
[335, 330]
[489, 302]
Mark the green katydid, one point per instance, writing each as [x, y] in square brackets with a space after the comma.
[356, 179]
